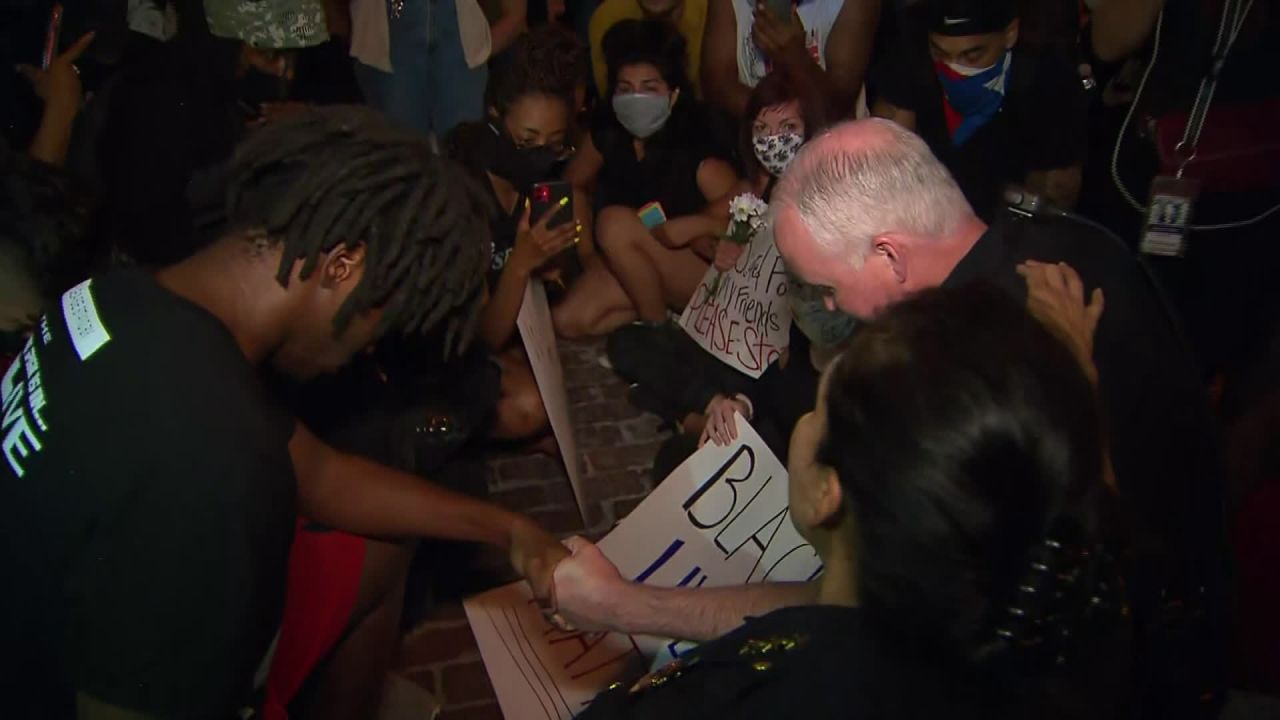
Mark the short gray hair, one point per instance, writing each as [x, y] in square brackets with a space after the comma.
[849, 191]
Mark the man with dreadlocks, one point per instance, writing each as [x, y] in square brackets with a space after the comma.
[150, 484]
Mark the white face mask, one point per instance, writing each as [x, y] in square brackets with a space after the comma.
[775, 152]
[642, 114]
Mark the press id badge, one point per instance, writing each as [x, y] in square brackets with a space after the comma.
[1169, 216]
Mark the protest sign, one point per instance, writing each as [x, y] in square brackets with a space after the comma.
[722, 518]
[539, 337]
[741, 316]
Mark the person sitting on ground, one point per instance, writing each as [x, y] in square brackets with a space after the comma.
[153, 487]
[949, 478]
[995, 112]
[660, 171]
[688, 16]
[674, 377]
[823, 43]
[525, 139]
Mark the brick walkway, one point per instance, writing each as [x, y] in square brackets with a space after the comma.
[618, 444]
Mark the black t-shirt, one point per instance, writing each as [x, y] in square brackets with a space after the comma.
[1041, 125]
[474, 145]
[1154, 408]
[814, 662]
[669, 171]
[149, 505]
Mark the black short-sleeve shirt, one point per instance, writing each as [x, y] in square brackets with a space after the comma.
[149, 505]
[1041, 125]
[474, 145]
[669, 171]
[1154, 408]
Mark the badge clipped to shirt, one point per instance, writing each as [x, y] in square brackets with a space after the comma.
[1169, 216]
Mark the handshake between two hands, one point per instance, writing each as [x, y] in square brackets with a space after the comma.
[576, 586]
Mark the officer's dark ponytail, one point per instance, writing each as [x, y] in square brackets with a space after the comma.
[967, 442]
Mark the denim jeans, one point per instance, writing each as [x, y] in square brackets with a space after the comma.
[430, 88]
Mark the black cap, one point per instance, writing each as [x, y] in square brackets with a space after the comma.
[969, 17]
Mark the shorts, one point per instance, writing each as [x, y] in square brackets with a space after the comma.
[324, 581]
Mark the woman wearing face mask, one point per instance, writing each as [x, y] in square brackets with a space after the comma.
[678, 380]
[658, 169]
[949, 479]
[524, 141]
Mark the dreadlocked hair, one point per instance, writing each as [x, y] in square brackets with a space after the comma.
[548, 60]
[344, 176]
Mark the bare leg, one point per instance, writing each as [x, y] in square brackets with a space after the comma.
[520, 412]
[349, 683]
[654, 276]
[595, 304]
[622, 237]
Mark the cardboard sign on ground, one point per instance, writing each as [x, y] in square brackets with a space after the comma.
[539, 337]
[722, 518]
[746, 323]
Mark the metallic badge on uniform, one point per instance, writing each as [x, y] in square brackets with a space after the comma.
[1169, 216]
[661, 676]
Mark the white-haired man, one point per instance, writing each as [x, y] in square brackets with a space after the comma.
[869, 215]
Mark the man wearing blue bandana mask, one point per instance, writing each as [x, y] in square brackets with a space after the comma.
[995, 113]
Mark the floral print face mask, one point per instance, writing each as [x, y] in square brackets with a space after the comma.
[775, 152]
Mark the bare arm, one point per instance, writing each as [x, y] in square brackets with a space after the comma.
[533, 248]
[700, 614]
[1120, 27]
[498, 319]
[884, 109]
[591, 595]
[1060, 186]
[716, 181]
[364, 498]
[848, 53]
[720, 60]
[514, 21]
[59, 88]
[581, 174]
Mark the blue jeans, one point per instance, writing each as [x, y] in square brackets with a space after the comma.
[430, 88]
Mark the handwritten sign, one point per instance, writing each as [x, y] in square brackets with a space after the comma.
[539, 337]
[722, 518]
[746, 323]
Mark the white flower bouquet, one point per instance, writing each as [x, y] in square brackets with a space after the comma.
[746, 215]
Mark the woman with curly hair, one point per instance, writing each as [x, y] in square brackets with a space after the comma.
[527, 136]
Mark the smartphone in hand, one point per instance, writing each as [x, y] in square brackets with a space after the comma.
[652, 215]
[52, 37]
[546, 196]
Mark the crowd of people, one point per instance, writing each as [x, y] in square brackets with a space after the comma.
[261, 265]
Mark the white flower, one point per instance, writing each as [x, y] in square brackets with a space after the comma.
[747, 208]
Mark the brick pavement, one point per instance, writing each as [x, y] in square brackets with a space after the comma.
[618, 444]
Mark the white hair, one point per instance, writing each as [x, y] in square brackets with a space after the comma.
[849, 191]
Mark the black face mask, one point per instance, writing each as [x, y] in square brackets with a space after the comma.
[522, 167]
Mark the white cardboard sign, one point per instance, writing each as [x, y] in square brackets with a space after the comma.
[539, 338]
[722, 518]
[747, 323]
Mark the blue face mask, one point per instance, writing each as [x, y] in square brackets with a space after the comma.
[972, 97]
